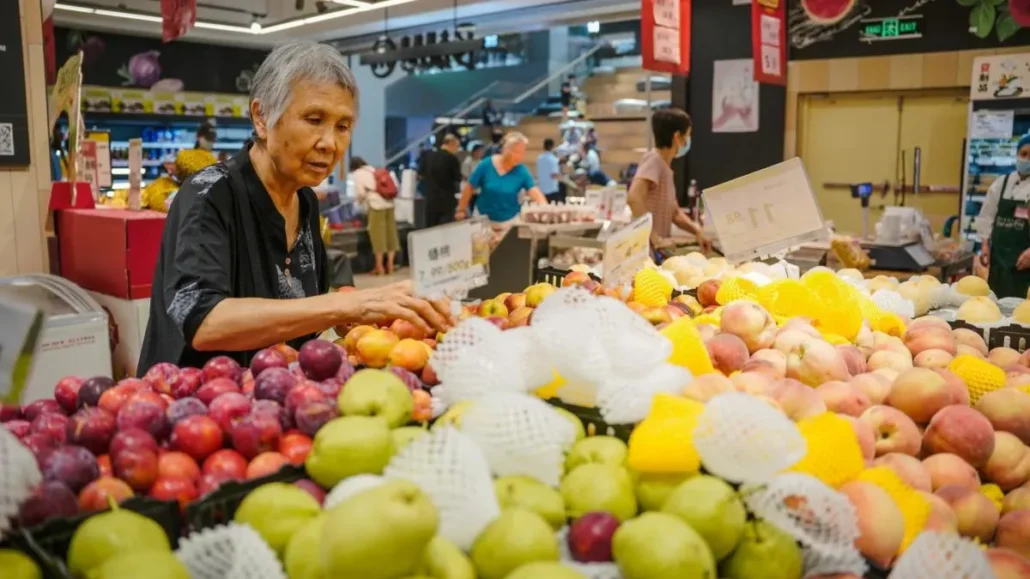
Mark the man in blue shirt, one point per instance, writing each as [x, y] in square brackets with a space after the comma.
[548, 171]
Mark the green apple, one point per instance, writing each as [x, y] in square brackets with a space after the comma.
[545, 571]
[653, 488]
[444, 560]
[371, 392]
[574, 420]
[405, 434]
[594, 487]
[515, 538]
[380, 533]
[109, 534]
[529, 493]
[277, 511]
[597, 449]
[302, 559]
[136, 564]
[713, 509]
[661, 546]
[348, 446]
[18, 565]
[764, 551]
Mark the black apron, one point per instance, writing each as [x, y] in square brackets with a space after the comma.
[1010, 237]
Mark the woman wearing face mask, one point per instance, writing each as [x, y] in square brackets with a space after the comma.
[653, 189]
[1003, 227]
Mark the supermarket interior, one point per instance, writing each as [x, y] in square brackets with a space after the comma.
[459, 289]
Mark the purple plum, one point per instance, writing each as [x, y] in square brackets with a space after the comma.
[73, 465]
[92, 388]
[274, 384]
[51, 500]
[319, 359]
[184, 407]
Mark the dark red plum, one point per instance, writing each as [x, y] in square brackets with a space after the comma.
[66, 392]
[409, 379]
[214, 388]
[132, 438]
[186, 383]
[312, 416]
[10, 412]
[222, 367]
[331, 387]
[146, 415]
[73, 465]
[197, 436]
[39, 444]
[296, 370]
[50, 500]
[19, 428]
[92, 428]
[590, 537]
[265, 359]
[33, 409]
[255, 434]
[319, 359]
[301, 394]
[184, 407]
[91, 389]
[136, 384]
[52, 425]
[228, 409]
[161, 376]
[274, 384]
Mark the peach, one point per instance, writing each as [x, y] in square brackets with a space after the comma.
[797, 400]
[919, 393]
[941, 517]
[656, 315]
[761, 367]
[854, 358]
[1003, 357]
[865, 340]
[843, 398]
[968, 351]
[374, 347]
[890, 360]
[1014, 532]
[976, 515]
[886, 343]
[1008, 410]
[970, 339]
[963, 431]
[705, 387]
[749, 322]
[1009, 464]
[1012, 379]
[888, 373]
[728, 353]
[1008, 564]
[1016, 500]
[948, 469]
[770, 402]
[707, 291]
[923, 339]
[1024, 360]
[520, 316]
[908, 468]
[789, 341]
[350, 341]
[803, 325]
[958, 389]
[932, 359]
[881, 527]
[514, 301]
[895, 432]
[928, 322]
[410, 354]
[817, 363]
[776, 358]
[754, 383]
[866, 438]
[874, 385]
[707, 332]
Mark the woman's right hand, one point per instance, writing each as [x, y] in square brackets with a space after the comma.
[460, 215]
[396, 301]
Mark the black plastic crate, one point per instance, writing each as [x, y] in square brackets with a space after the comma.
[982, 332]
[219, 506]
[592, 421]
[1011, 336]
[554, 276]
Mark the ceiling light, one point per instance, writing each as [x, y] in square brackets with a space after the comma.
[225, 27]
[255, 27]
[354, 3]
[127, 15]
[73, 8]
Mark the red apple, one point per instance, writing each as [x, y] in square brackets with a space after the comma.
[145, 415]
[33, 409]
[52, 425]
[216, 387]
[174, 489]
[226, 463]
[132, 438]
[197, 436]
[98, 494]
[186, 383]
[429, 377]
[265, 359]
[161, 376]
[265, 464]
[92, 428]
[300, 395]
[136, 466]
[222, 367]
[295, 447]
[177, 465]
[66, 392]
[228, 409]
[313, 489]
[256, 434]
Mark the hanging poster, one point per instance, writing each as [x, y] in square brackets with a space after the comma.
[769, 40]
[1006, 76]
[734, 97]
[178, 17]
[665, 35]
[14, 119]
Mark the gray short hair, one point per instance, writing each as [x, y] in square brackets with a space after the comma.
[513, 138]
[292, 62]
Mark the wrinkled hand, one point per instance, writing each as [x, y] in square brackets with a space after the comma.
[704, 242]
[1024, 260]
[396, 301]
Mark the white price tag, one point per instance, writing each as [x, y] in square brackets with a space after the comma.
[617, 202]
[135, 172]
[667, 13]
[449, 258]
[770, 33]
[765, 212]
[771, 60]
[22, 327]
[595, 198]
[626, 251]
[667, 45]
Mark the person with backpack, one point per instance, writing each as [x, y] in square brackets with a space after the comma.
[375, 189]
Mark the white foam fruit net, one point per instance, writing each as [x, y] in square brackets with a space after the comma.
[450, 467]
[627, 399]
[935, 555]
[742, 439]
[474, 359]
[588, 570]
[534, 367]
[820, 563]
[893, 302]
[520, 435]
[349, 487]
[230, 551]
[19, 475]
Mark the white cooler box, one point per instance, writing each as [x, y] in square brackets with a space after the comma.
[128, 326]
[75, 338]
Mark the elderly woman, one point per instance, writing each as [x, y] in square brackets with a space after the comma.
[500, 179]
[241, 265]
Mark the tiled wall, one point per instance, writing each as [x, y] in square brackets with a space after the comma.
[876, 73]
[24, 191]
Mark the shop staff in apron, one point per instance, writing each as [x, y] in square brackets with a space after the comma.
[1004, 225]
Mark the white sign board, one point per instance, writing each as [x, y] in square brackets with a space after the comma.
[610, 202]
[1005, 76]
[765, 212]
[626, 251]
[22, 326]
[992, 124]
[449, 259]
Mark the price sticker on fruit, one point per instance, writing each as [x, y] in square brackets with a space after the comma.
[22, 327]
[451, 259]
[765, 212]
[626, 251]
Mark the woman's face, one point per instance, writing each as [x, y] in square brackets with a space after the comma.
[1024, 152]
[516, 153]
[312, 134]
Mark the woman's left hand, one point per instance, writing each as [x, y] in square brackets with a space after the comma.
[396, 301]
[1024, 260]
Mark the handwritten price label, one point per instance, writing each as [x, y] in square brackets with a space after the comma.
[666, 45]
[449, 258]
[667, 13]
[626, 251]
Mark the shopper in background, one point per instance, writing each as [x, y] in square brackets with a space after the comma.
[548, 171]
[206, 136]
[592, 164]
[1003, 227]
[491, 117]
[443, 182]
[496, 137]
[653, 189]
[500, 179]
[241, 265]
[567, 88]
[468, 164]
[372, 189]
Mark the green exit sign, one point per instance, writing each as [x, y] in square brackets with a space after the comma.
[878, 29]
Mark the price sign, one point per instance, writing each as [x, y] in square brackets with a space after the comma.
[765, 212]
[135, 172]
[89, 172]
[626, 251]
[22, 327]
[450, 259]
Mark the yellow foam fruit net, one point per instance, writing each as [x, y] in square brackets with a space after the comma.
[914, 507]
[651, 289]
[688, 350]
[839, 312]
[664, 441]
[979, 375]
[834, 455]
[993, 492]
[835, 339]
[786, 299]
[1025, 389]
[736, 288]
[713, 318]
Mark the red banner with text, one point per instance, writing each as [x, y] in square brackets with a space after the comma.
[177, 18]
[769, 40]
[665, 35]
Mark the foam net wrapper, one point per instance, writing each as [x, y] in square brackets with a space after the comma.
[820, 563]
[349, 487]
[520, 435]
[627, 399]
[19, 475]
[450, 467]
[893, 302]
[935, 555]
[588, 570]
[535, 371]
[474, 359]
[742, 439]
[230, 551]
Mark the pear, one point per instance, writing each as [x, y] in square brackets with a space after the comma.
[380, 533]
[136, 564]
[596, 487]
[764, 551]
[444, 560]
[348, 446]
[712, 508]
[18, 565]
[577, 424]
[531, 494]
[453, 415]
[106, 535]
[404, 435]
[277, 511]
[302, 560]
[597, 449]
[515, 538]
[372, 392]
[661, 546]
[653, 488]
[546, 571]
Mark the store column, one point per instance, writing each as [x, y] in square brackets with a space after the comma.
[24, 186]
[680, 99]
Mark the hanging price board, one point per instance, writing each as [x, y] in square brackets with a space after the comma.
[450, 259]
[22, 327]
[765, 212]
[626, 251]
[665, 35]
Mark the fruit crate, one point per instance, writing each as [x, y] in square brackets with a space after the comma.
[219, 506]
[554, 276]
[1012, 336]
[47, 544]
[592, 421]
[982, 332]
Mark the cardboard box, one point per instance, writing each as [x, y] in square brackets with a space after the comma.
[110, 251]
[128, 325]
